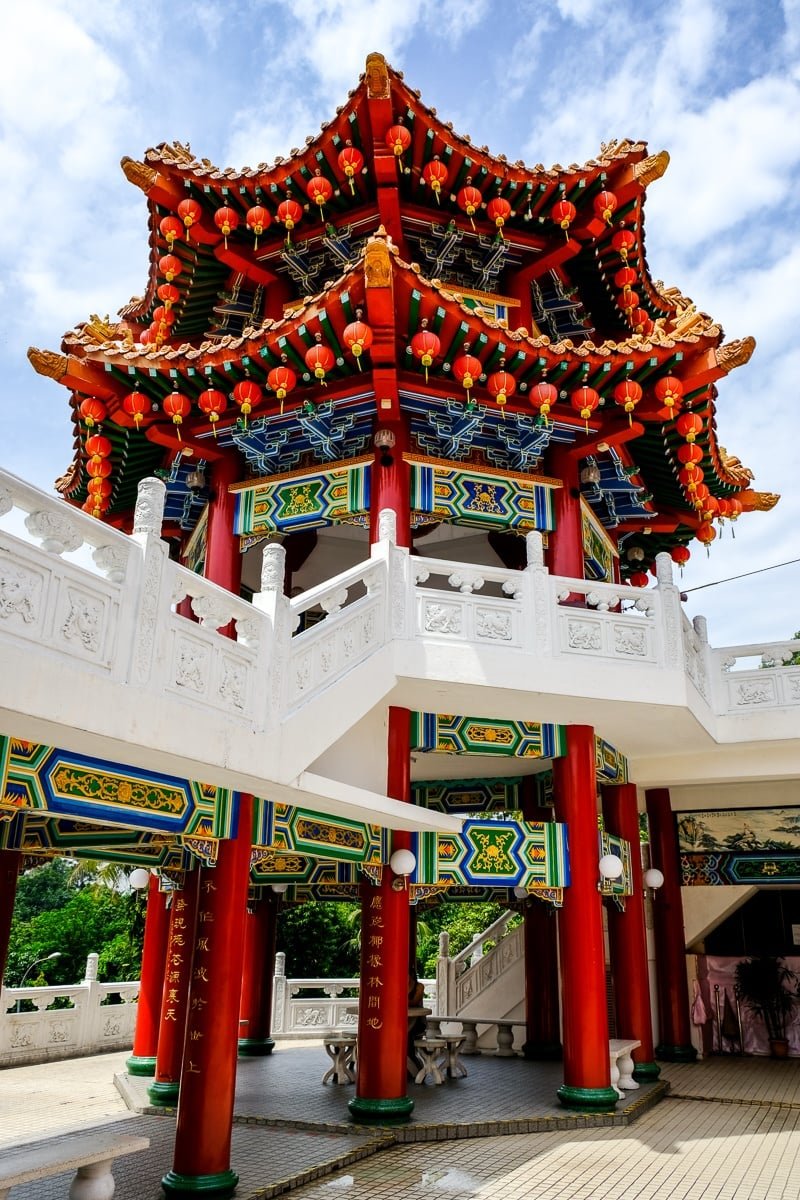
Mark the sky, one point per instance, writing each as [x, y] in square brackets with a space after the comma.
[717, 84]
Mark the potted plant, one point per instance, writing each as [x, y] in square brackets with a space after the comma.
[769, 989]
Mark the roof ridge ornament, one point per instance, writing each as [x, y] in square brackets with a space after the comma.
[138, 173]
[377, 260]
[48, 363]
[377, 76]
[735, 354]
[651, 168]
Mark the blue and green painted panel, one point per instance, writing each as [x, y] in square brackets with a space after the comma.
[284, 829]
[610, 843]
[611, 764]
[485, 499]
[492, 853]
[442, 733]
[479, 796]
[304, 500]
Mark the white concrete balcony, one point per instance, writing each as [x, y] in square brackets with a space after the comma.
[96, 657]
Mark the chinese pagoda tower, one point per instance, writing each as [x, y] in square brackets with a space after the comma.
[394, 322]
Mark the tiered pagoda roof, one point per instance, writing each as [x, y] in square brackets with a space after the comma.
[551, 285]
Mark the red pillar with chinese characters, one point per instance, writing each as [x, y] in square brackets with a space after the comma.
[145, 1041]
[587, 1075]
[565, 543]
[540, 933]
[9, 873]
[672, 987]
[255, 1013]
[628, 935]
[383, 1003]
[175, 995]
[201, 1164]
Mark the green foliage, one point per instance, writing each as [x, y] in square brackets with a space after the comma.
[91, 919]
[769, 989]
[43, 889]
[317, 939]
[462, 920]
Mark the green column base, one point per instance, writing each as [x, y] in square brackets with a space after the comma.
[165, 1094]
[140, 1066]
[591, 1099]
[543, 1051]
[684, 1054]
[646, 1072]
[255, 1047]
[221, 1185]
[380, 1112]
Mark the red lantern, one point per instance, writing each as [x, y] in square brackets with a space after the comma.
[177, 406]
[467, 369]
[95, 506]
[563, 213]
[689, 425]
[258, 221]
[190, 213]
[97, 447]
[689, 453]
[700, 493]
[98, 468]
[625, 278]
[605, 204]
[319, 191]
[171, 228]
[163, 315]
[398, 139]
[680, 555]
[357, 337]
[498, 210]
[425, 346]
[157, 334]
[623, 242]
[736, 508]
[168, 295]
[641, 322]
[226, 220]
[99, 487]
[690, 476]
[669, 393]
[247, 395]
[171, 266]
[212, 403]
[709, 508]
[585, 400]
[281, 380]
[92, 411]
[638, 579]
[543, 397]
[627, 396]
[628, 301]
[289, 214]
[435, 174]
[137, 406]
[320, 360]
[351, 161]
[705, 533]
[469, 201]
[501, 385]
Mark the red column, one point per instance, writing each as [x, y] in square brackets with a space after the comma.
[145, 1041]
[628, 935]
[175, 994]
[587, 1076]
[672, 987]
[9, 873]
[255, 1013]
[565, 543]
[383, 1003]
[390, 478]
[223, 560]
[208, 1077]
[540, 934]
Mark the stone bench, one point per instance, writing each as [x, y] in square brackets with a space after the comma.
[619, 1051]
[90, 1155]
[469, 1029]
[341, 1048]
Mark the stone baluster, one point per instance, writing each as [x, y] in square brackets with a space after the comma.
[152, 604]
[670, 597]
[279, 1024]
[276, 607]
[444, 975]
[401, 597]
[538, 623]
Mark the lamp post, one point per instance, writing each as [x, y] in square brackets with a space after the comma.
[35, 963]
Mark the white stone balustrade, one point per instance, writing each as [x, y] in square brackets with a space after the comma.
[769, 682]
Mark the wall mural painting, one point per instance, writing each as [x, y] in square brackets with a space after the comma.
[739, 845]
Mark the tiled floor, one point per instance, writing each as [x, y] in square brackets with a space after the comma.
[739, 1140]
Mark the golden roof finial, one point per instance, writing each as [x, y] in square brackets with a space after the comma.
[48, 363]
[651, 168]
[377, 263]
[138, 173]
[377, 77]
[735, 354]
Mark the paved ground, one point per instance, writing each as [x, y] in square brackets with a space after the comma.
[735, 1135]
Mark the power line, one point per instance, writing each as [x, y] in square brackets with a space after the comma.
[732, 578]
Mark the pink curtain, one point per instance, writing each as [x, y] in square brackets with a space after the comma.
[713, 970]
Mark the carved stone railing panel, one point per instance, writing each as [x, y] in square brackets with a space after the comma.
[479, 605]
[696, 654]
[491, 966]
[299, 1011]
[334, 646]
[761, 682]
